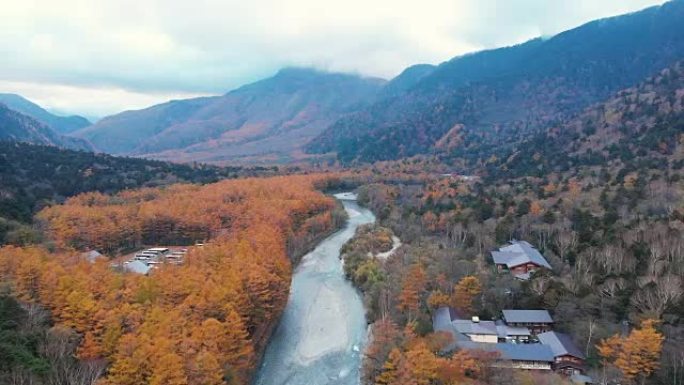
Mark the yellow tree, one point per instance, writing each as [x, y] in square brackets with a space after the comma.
[424, 365]
[411, 290]
[388, 375]
[638, 354]
[438, 299]
[465, 292]
[169, 371]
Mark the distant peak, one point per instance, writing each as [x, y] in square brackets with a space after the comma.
[299, 71]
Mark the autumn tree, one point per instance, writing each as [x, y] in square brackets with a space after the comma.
[638, 354]
[465, 292]
[388, 373]
[411, 291]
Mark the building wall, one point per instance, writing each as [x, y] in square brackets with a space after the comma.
[535, 328]
[486, 338]
[528, 365]
[523, 269]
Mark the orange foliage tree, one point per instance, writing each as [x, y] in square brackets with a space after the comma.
[411, 290]
[198, 323]
[638, 354]
[465, 292]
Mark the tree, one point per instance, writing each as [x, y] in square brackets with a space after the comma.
[423, 363]
[438, 299]
[388, 375]
[638, 354]
[169, 371]
[465, 292]
[411, 291]
[454, 370]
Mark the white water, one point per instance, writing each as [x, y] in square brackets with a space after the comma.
[323, 329]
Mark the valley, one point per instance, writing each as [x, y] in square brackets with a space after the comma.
[513, 215]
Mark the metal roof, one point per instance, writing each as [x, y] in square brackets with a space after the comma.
[441, 320]
[561, 344]
[519, 253]
[527, 316]
[137, 267]
[470, 327]
[513, 352]
[92, 255]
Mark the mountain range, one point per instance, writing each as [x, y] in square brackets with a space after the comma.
[60, 124]
[17, 127]
[461, 108]
[490, 95]
[269, 120]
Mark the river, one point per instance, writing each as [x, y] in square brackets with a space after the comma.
[321, 336]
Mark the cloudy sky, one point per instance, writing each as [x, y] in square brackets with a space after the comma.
[97, 57]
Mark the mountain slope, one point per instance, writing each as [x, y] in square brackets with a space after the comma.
[270, 119]
[639, 127]
[488, 95]
[17, 127]
[60, 124]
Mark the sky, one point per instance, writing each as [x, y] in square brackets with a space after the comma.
[99, 57]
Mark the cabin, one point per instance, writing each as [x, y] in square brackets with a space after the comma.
[536, 321]
[137, 267]
[515, 356]
[520, 259]
[568, 359]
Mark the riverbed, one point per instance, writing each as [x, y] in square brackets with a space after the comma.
[322, 333]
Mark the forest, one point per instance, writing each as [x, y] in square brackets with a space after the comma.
[204, 322]
[35, 176]
[600, 196]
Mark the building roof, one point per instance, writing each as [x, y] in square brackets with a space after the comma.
[513, 352]
[561, 344]
[470, 327]
[510, 331]
[137, 267]
[527, 316]
[441, 320]
[92, 255]
[519, 253]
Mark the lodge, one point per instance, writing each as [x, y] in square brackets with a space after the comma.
[520, 259]
[568, 359]
[522, 339]
[536, 321]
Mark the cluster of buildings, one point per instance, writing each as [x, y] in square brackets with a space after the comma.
[521, 339]
[146, 260]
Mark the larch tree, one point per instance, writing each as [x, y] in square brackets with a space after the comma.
[411, 291]
[638, 354]
[465, 292]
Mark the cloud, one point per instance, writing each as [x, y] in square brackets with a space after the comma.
[155, 49]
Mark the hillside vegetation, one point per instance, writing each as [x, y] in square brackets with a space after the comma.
[489, 96]
[266, 121]
[204, 322]
[33, 177]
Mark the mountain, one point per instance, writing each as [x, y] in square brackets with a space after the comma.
[489, 95]
[17, 127]
[641, 127]
[60, 124]
[406, 80]
[267, 120]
